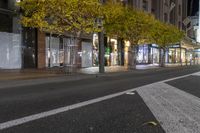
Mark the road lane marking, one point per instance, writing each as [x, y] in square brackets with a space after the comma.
[30, 118]
[33, 117]
[130, 93]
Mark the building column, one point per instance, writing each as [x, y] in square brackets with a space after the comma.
[41, 50]
[181, 55]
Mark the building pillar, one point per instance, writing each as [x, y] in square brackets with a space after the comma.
[122, 52]
[41, 50]
[181, 55]
[119, 51]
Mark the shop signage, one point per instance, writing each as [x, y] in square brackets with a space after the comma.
[197, 50]
[107, 51]
[174, 46]
[154, 45]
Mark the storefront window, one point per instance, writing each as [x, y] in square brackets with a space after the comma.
[114, 53]
[126, 50]
[197, 56]
[70, 52]
[95, 50]
[142, 54]
[86, 54]
[155, 55]
[111, 53]
[183, 54]
[10, 37]
[178, 55]
[171, 55]
[146, 54]
[54, 52]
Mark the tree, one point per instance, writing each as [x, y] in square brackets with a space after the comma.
[136, 29]
[129, 24]
[61, 16]
[113, 18]
[76, 17]
[164, 35]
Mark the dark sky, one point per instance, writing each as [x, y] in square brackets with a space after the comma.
[195, 7]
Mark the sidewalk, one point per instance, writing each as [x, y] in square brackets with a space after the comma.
[27, 74]
[13, 78]
[111, 69]
[95, 70]
[9, 80]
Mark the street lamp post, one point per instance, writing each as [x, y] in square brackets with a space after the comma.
[101, 46]
[198, 30]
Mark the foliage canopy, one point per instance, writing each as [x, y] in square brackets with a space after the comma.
[61, 16]
[79, 16]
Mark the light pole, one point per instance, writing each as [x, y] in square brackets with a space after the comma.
[101, 46]
[198, 30]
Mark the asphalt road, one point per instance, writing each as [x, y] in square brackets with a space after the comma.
[123, 114]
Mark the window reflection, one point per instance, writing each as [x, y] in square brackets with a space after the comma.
[10, 36]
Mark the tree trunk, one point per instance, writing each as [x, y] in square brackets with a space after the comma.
[162, 57]
[132, 57]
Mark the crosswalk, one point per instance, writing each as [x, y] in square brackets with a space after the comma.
[176, 110]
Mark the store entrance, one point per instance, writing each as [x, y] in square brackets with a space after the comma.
[172, 56]
[29, 55]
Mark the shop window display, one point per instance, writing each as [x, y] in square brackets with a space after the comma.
[10, 36]
[183, 55]
[155, 55]
[71, 50]
[114, 53]
[54, 52]
[171, 55]
[197, 56]
[86, 54]
[178, 56]
[142, 57]
[95, 50]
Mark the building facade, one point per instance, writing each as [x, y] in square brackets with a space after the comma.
[168, 11]
[29, 48]
[18, 45]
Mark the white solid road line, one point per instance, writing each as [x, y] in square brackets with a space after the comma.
[30, 118]
[23, 120]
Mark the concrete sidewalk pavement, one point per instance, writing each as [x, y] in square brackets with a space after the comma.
[113, 69]
[14, 78]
